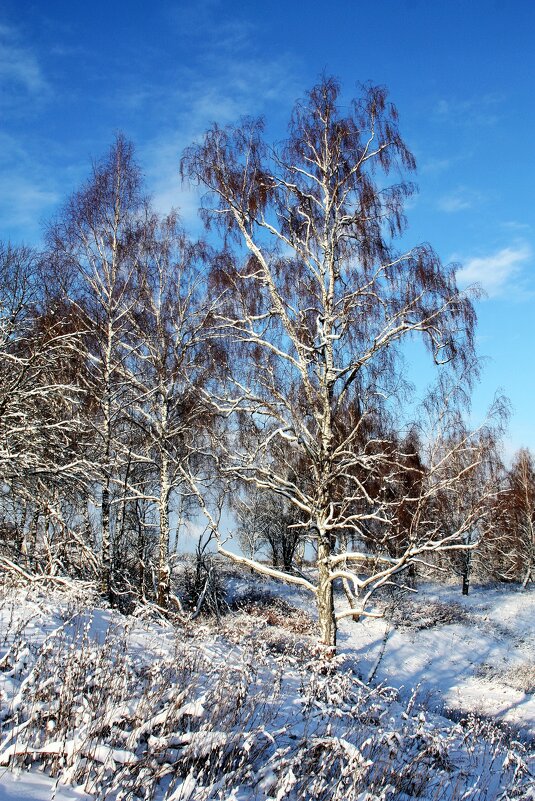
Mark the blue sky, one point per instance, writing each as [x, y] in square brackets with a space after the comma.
[461, 73]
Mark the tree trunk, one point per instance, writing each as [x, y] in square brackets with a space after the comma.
[466, 574]
[33, 532]
[530, 572]
[105, 562]
[140, 549]
[327, 621]
[163, 544]
[528, 577]
[350, 598]
[411, 575]
[348, 592]
[105, 559]
[163, 562]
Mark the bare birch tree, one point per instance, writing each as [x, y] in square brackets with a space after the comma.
[95, 245]
[40, 408]
[317, 303]
[38, 395]
[464, 468]
[168, 361]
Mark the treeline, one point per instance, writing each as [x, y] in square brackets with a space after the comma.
[149, 379]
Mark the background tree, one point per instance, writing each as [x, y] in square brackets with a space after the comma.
[266, 526]
[467, 481]
[511, 540]
[169, 360]
[40, 419]
[250, 519]
[95, 246]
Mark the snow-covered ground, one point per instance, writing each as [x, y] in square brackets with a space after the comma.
[455, 653]
[36, 786]
[97, 705]
[474, 653]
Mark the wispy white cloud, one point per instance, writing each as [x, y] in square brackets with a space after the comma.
[230, 89]
[23, 201]
[162, 105]
[459, 199]
[436, 166]
[480, 111]
[20, 69]
[229, 76]
[498, 273]
[515, 225]
[28, 190]
[209, 25]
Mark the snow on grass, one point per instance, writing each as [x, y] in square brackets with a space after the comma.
[95, 704]
[35, 786]
[474, 653]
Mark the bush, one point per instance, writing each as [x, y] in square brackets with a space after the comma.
[274, 611]
[428, 614]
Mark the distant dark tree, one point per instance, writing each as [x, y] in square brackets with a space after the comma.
[266, 526]
[511, 542]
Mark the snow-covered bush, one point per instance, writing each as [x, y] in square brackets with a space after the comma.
[275, 611]
[427, 615]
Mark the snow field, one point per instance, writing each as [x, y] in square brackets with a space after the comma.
[97, 705]
[473, 654]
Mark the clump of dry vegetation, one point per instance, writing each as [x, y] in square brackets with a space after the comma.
[426, 616]
[520, 677]
[274, 611]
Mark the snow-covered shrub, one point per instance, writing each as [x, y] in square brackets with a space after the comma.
[428, 614]
[200, 587]
[274, 611]
[521, 677]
